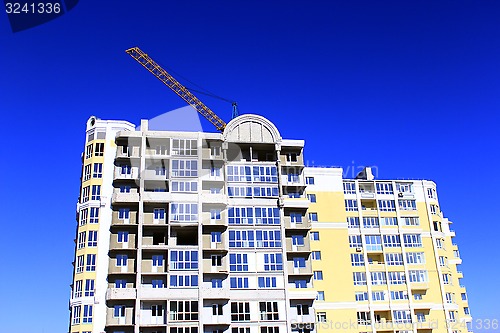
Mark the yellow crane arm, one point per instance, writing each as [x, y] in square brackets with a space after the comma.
[177, 87]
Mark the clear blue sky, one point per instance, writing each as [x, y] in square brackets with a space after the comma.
[412, 87]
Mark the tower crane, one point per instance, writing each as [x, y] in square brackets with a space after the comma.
[183, 92]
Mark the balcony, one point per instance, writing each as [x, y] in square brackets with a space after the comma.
[307, 270]
[301, 203]
[419, 285]
[119, 197]
[118, 174]
[123, 152]
[159, 197]
[215, 293]
[148, 293]
[305, 248]
[216, 198]
[208, 245]
[120, 293]
[302, 293]
[154, 175]
[207, 154]
[129, 269]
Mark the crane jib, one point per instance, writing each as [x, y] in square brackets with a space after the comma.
[148, 63]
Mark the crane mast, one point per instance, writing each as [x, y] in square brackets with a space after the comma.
[148, 63]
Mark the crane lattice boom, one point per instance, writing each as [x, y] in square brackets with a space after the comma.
[177, 87]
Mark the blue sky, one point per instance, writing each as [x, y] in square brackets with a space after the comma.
[411, 87]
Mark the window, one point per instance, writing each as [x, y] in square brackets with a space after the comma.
[217, 309]
[464, 296]
[96, 192]
[299, 262]
[373, 243]
[446, 278]
[378, 278]
[364, 318]
[394, 259]
[121, 260]
[238, 262]
[120, 283]
[316, 255]
[321, 317]
[157, 310]
[293, 178]
[370, 222]
[300, 283]
[240, 311]
[417, 297]
[401, 316]
[216, 283]
[87, 314]
[420, 317]
[389, 221]
[313, 217]
[183, 310]
[314, 235]
[160, 150]
[268, 238]
[85, 193]
[86, 172]
[298, 240]
[387, 205]
[443, 261]
[184, 147]
[89, 151]
[397, 277]
[185, 329]
[215, 214]
[268, 310]
[79, 264]
[158, 214]
[265, 174]
[439, 243]
[184, 212]
[318, 275]
[122, 236]
[99, 149]
[417, 276]
[81, 239]
[273, 262]
[215, 151]
[412, 240]
[351, 205]
[184, 186]
[267, 282]
[84, 213]
[353, 222]
[450, 298]
[359, 278]
[452, 316]
[378, 295]
[404, 187]
[311, 197]
[215, 172]
[357, 259]
[267, 215]
[415, 258]
[77, 289]
[291, 157]
[407, 205]
[240, 215]
[302, 309]
[94, 215]
[431, 193]
[97, 170]
[384, 188]
[349, 188]
[180, 281]
[76, 314]
[434, 209]
[320, 296]
[310, 180]
[184, 168]
[119, 311]
[411, 221]
[361, 296]
[240, 330]
[157, 260]
[241, 238]
[399, 295]
[296, 217]
[216, 237]
[466, 310]
[125, 188]
[90, 267]
[89, 287]
[157, 283]
[92, 241]
[355, 241]
[216, 260]
[392, 241]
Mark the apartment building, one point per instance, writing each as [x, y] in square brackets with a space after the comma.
[187, 232]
